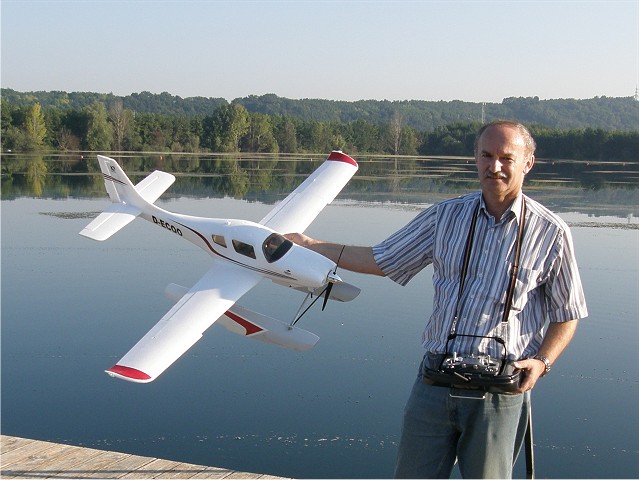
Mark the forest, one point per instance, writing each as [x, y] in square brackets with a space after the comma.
[601, 129]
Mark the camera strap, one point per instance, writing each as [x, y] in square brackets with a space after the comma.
[513, 274]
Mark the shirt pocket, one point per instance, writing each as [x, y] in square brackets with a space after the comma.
[527, 280]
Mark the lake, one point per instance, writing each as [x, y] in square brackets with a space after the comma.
[72, 307]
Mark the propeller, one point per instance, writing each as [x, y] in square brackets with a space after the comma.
[328, 293]
[332, 279]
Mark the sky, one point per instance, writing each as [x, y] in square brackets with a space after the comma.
[476, 51]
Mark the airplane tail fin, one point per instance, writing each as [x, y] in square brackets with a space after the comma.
[128, 200]
[114, 177]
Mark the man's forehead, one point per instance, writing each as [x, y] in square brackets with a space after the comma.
[501, 137]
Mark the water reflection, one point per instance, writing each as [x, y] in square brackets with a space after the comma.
[603, 188]
[71, 307]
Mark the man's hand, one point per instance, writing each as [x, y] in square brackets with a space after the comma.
[532, 369]
[300, 239]
[558, 336]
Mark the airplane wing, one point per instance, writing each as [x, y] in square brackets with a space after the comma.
[112, 220]
[185, 323]
[299, 209]
[151, 187]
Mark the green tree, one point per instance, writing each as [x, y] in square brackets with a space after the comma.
[121, 120]
[285, 134]
[318, 137]
[35, 127]
[145, 127]
[100, 131]
[364, 136]
[410, 142]
[594, 141]
[11, 133]
[396, 130]
[186, 136]
[259, 137]
[226, 127]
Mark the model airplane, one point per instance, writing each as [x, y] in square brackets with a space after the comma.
[244, 253]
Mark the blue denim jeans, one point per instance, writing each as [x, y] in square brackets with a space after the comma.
[485, 436]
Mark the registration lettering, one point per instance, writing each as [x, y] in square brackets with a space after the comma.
[166, 225]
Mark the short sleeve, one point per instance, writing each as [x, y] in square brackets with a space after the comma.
[406, 252]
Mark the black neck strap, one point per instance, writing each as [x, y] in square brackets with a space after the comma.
[513, 273]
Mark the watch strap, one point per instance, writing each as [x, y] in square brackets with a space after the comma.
[544, 359]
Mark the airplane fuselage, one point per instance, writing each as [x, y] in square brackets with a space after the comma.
[247, 245]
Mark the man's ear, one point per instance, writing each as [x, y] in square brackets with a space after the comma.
[529, 164]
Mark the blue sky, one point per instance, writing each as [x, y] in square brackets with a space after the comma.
[340, 50]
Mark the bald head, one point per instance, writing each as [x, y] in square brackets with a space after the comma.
[525, 134]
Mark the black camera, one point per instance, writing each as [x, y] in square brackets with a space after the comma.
[476, 372]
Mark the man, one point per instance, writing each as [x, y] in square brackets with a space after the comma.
[484, 435]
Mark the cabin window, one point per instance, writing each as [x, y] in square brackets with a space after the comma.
[275, 247]
[244, 248]
[219, 239]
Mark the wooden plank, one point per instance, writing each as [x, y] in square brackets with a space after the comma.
[152, 469]
[213, 472]
[31, 453]
[241, 476]
[41, 464]
[26, 458]
[246, 476]
[64, 460]
[8, 444]
[186, 470]
[100, 466]
[123, 465]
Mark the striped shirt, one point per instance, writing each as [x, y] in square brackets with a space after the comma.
[548, 285]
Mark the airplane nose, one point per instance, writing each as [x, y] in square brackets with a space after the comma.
[333, 278]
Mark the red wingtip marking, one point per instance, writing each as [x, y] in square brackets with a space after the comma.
[338, 156]
[129, 372]
[250, 328]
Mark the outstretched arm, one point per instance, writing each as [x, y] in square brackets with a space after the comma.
[355, 259]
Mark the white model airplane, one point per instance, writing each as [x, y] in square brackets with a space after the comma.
[244, 253]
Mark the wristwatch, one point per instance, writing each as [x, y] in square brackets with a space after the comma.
[546, 363]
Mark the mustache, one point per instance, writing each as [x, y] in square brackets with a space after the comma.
[499, 175]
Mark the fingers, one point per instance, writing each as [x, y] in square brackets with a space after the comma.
[531, 371]
[298, 238]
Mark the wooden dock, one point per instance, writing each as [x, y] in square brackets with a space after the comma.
[25, 458]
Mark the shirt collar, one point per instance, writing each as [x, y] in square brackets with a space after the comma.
[514, 207]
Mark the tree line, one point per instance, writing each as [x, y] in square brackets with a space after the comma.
[607, 113]
[231, 127]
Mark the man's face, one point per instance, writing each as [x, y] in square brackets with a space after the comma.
[502, 161]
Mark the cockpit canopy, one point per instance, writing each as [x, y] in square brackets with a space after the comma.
[275, 247]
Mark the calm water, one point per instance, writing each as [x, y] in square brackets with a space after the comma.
[72, 307]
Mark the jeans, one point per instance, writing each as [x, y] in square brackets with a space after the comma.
[485, 436]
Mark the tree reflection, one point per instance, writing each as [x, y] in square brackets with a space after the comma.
[269, 177]
[36, 175]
